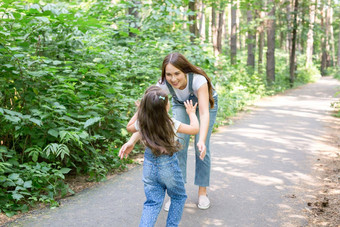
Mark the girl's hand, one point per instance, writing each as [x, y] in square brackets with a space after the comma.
[125, 150]
[202, 148]
[137, 103]
[189, 107]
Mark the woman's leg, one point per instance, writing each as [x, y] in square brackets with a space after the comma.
[202, 170]
[180, 114]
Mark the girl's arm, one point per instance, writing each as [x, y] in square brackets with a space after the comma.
[193, 128]
[128, 146]
[131, 125]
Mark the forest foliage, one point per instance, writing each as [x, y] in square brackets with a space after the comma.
[70, 72]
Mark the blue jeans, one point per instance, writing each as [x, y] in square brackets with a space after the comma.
[202, 170]
[160, 174]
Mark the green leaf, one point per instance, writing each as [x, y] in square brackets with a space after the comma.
[17, 196]
[10, 213]
[65, 170]
[53, 132]
[19, 182]
[51, 148]
[12, 119]
[91, 121]
[28, 184]
[14, 176]
[34, 152]
[3, 178]
[57, 62]
[36, 121]
[124, 132]
[62, 151]
[97, 60]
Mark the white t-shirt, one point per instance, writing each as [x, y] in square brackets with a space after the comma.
[176, 124]
[183, 95]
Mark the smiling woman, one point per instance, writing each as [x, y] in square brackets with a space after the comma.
[185, 81]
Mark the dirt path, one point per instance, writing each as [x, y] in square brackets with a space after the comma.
[262, 171]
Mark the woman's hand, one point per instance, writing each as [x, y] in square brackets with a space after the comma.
[189, 107]
[202, 149]
[126, 149]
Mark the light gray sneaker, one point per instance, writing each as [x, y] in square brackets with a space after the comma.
[203, 202]
[167, 205]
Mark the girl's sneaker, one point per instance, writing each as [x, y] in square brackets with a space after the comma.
[203, 202]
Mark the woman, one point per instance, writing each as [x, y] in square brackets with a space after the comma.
[185, 81]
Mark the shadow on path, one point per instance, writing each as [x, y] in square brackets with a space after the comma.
[261, 171]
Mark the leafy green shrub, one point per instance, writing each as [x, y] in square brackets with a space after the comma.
[25, 184]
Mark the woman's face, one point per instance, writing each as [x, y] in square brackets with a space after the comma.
[175, 77]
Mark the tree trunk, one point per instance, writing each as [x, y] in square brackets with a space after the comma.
[292, 59]
[208, 28]
[250, 41]
[193, 26]
[271, 43]
[325, 41]
[238, 17]
[134, 12]
[310, 35]
[214, 29]
[261, 42]
[201, 18]
[289, 29]
[220, 28]
[338, 63]
[331, 32]
[233, 35]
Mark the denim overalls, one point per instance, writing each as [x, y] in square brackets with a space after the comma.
[202, 170]
[159, 174]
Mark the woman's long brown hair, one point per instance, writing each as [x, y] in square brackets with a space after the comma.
[180, 62]
[156, 126]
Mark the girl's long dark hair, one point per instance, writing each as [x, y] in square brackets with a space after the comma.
[180, 62]
[156, 126]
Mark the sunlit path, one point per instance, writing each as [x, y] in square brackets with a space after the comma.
[261, 171]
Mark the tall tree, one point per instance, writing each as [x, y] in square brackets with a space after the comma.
[331, 32]
[133, 11]
[220, 27]
[310, 35]
[289, 29]
[233, 34]
[193, 19]
[292, 59]
[250, 40]
[271, 42]
[261, 40]
[325, 39]
[338, 62]
[201, 19]
[214, 28]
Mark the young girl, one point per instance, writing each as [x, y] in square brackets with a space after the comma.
[153, 125]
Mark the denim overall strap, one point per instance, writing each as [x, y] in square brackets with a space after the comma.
[190, 89]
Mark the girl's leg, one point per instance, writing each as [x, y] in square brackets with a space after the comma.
[180, 114]
[154, 193]
[176, 191]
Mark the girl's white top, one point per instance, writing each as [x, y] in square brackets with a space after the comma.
[183, 95]
[176, 124]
